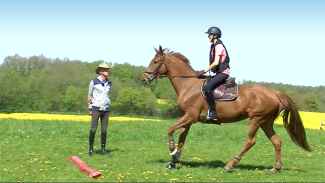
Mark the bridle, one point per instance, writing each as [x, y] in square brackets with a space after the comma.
[155, 74]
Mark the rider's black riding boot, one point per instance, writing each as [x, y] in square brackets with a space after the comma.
[103, 143]
[91, 143]
[212, 113]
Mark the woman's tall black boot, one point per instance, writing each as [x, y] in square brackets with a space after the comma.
[103, 143]
[212, 113]
[91, 143]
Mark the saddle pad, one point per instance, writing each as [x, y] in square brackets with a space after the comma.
[224, 93]
[230, 94]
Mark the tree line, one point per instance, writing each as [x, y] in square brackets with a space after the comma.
[40, 84]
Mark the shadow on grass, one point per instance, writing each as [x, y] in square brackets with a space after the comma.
[211, 164]
[220, 164]
[108, 150]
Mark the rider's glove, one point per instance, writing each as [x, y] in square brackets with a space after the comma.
[200, 74]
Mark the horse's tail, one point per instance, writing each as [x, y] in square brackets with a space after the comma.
[294, 126]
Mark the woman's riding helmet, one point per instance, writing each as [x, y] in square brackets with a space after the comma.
[215, 31]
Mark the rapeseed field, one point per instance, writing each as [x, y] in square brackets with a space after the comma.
[64, 117]
[311, 120]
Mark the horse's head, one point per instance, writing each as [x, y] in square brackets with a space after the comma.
[156, 67]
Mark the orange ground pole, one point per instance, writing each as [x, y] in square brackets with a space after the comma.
[84, 168]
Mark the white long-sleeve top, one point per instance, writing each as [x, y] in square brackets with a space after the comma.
[99, 92]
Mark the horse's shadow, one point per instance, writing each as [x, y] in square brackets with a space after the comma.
[218, 164]
[210, 164]
[221, 164]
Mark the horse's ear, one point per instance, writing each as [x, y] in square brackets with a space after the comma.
[160, 51]
[156, 50]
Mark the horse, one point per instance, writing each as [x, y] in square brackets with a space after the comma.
[255, 102]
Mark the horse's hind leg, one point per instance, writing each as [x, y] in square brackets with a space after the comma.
[270, 133]
[250, 142]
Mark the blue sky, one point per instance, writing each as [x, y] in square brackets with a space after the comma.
[267, 40]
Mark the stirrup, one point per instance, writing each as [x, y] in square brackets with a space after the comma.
[209, 119]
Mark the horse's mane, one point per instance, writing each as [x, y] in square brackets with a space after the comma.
[181, 57]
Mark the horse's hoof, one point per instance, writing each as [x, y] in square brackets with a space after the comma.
[171, 166]
[228, 168]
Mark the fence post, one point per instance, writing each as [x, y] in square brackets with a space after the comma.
[321, 124]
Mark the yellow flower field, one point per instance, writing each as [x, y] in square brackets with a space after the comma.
[310, 120]
[162, 101]
[40, 116]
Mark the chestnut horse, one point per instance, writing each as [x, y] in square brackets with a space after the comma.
[257, 103]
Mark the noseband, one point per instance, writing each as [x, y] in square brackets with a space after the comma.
[155, 72]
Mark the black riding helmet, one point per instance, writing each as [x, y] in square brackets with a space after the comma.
[215, 31]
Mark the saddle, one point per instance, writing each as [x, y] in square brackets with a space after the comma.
[228, 91]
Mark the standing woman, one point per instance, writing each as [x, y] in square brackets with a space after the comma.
[219, 64]
[98, 102]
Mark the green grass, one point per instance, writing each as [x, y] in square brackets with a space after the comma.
[38, 151]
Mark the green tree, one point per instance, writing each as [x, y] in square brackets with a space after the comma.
[168, 110]
[165, 90]
[296, 97]
[139, 101]
[42, 105]
[75, 99]
[310, 99]
[116, 87]
[14, 95]
[122, 72]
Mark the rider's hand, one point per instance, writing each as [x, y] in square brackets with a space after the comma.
[200, 74]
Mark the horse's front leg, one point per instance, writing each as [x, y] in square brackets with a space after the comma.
[176, 153]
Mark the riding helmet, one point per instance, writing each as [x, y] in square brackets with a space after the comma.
[215, 31]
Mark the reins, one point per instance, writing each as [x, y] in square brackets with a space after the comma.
[172, 77]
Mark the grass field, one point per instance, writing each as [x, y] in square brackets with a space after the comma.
[38, 151]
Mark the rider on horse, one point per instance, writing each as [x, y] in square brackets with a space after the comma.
[219, 64]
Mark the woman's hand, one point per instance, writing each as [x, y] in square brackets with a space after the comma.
[90, 100]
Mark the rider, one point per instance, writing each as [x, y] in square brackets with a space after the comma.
[219, 64]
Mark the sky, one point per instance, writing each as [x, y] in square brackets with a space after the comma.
[279, 41]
